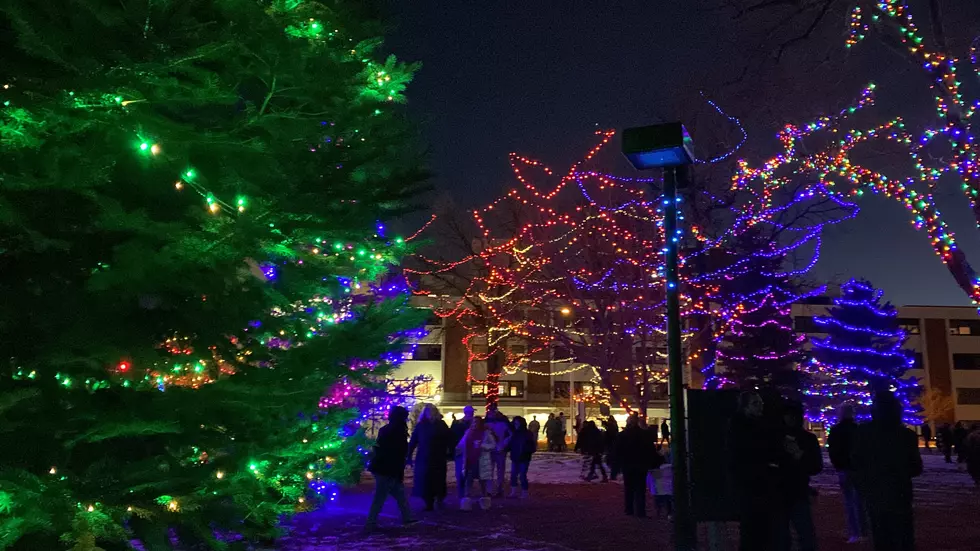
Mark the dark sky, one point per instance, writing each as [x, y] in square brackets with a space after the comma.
[538, 77]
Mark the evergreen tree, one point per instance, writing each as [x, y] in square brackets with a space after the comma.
[757, 346]
[861, 354]
[189, 197]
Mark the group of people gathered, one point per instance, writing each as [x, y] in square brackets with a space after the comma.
[773, 457]
[958, 439]
[479, 448]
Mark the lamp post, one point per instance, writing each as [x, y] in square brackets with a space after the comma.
[668, 146]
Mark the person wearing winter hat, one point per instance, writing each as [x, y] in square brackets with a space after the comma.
[388, 467]
[475, 448]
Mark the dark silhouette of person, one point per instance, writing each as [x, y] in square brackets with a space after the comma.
[927, 435]
[552, 432]
[840, 442]
[972, 449]
[665, 431]
[590, 444]
[432, 444]
[459, 428]
[885, 459]
[755, 449]
[611, 434]
[388, 466]
[944, 441]
[636, 455]
[801, 459]
[535, 427]
[959, 437]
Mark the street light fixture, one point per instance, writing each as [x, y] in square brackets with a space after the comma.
[669, 146]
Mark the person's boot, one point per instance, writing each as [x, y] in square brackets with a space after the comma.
[485, 503]
[466, 504]
[524, 494]
[513, 492]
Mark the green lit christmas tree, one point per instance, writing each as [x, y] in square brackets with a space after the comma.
[190, 259]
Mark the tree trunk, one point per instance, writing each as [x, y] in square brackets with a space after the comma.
[494, 369]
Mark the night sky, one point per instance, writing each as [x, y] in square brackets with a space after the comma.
[538, 77]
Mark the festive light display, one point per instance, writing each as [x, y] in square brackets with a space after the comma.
[171, 355]
[861, 354]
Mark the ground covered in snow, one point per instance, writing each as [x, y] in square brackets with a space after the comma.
[567, 514]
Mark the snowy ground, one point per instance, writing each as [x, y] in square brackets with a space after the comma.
[567, 514]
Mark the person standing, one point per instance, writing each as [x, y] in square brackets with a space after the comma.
[552, 432]
[972, 446]
[611, 433]
[459, 428]
[497, 423]
[476, 447]
[388, 467]
[563, 425]
[636, 456]
[801, 460]
[886, 458]
[661, 484]
[927, 435]
[431, 443]
[590, 444]
[944, 441]
[522, 445]
[535, 429]
[959, 438]
[754, 455]
[665, 432]
[840, 442]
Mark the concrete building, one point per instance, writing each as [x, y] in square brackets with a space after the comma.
[945, 340]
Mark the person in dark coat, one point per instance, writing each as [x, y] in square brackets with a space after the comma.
[552, 432]
[665, 431]
[459, 428]
[801, 459]
[944, 441]
[388, 466]
[927, 435]
[611, 433]
[432, 444]
[636, 455]
[755, 450]
[959, 438]
[972, 448]
[521, 447]
[590, 444]
[535, 429]
[886, 458]
[840, 442]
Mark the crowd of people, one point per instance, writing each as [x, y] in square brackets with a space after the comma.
[771, 457]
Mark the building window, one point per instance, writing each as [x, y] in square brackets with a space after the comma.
[561, 389]
[910, 325]
[805, 324]
[966, 361]
[584, 389]
[414, 388]
[964, 327]
[518, 349]
[506, 389]
[968, 396]
[428, 352]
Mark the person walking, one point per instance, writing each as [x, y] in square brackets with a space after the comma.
[476, 447]
[388, 467]
[590, 444]
[552, 432]
[636, 456]
[801, 460]
[610, 434]
[535, 429]
[665, 432]
[959, 438]
[840, 442]
[927, 435]
[497, 423]
[944, 441]
[563, 425]
[885, 459]
[521, 447]
[972, 448]
[432, 444]
[754, 460]
[459, 428]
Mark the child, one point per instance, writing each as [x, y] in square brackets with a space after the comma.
[475, 448]
[662, 488]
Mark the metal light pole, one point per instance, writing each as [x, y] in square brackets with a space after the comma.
[668, 146]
